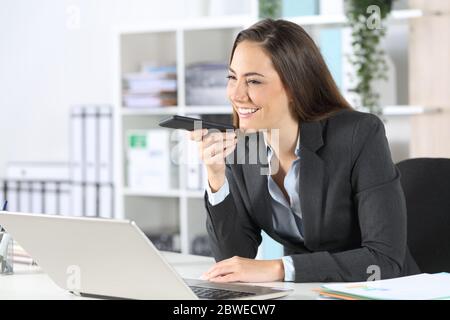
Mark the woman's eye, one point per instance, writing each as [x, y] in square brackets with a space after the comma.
[230, 77]
[253, 82]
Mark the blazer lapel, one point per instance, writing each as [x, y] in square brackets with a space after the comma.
[313, 182]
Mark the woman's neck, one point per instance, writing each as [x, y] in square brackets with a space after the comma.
[284, 141]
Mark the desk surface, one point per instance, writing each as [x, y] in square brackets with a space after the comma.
[33, 283]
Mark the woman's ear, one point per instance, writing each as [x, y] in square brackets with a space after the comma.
[290, 97]
[291, 100]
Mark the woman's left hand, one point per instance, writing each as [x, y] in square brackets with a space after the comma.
[245, 270]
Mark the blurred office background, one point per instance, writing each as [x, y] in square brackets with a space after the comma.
[84, 83]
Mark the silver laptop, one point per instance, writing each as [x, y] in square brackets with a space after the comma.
[112, 258]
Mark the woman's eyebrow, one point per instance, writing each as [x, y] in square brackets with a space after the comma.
[248, 73]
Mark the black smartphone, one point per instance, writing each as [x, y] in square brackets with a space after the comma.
[187, 123]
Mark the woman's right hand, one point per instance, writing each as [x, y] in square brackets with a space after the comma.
[213, 148]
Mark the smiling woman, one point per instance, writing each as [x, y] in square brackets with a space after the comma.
[334, 200]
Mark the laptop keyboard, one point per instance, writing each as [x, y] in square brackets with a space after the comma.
[218, 294]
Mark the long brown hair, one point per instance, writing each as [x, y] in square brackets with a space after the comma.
[301, 67]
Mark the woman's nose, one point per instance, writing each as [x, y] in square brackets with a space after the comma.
[239, 91]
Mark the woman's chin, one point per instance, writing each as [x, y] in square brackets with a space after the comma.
[246, 129]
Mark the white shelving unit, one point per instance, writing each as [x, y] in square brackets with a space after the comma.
[183, 43]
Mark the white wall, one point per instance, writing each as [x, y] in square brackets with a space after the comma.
[48, 62]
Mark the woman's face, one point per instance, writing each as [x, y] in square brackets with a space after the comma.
[255, 89]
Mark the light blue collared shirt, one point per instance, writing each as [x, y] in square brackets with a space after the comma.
[287, 215]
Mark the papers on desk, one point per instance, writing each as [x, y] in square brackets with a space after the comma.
[423, 286]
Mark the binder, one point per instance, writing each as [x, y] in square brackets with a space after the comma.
[49, 194]
[105, 163]
[90, 200]
[57, 198]
[12, 196]
[77, 148]
[32, 181]
[105, 145]
[24, 194]
[64, 199]
[36, 197]
[148, 155]
[106, 209]
[77, 159]
[77, 195]
[91, 143]
[91, 161]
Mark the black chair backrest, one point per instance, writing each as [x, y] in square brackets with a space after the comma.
[426, 184]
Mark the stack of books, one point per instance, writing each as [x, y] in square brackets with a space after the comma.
[206, 84]
[153, 86]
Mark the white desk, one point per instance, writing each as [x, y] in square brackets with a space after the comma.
[27, 283]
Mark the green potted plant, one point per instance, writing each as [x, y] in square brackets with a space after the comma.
[270, 9]
[366, 18]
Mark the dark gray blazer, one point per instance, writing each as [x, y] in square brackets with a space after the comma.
[354, 212]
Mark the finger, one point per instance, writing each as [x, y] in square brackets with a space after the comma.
[213, 150]
[217, 265]
[222, 154]
[217, 136]
[217, 139]
[212, 138]
[230, 135]
[232, 277]
[230, 143]
[213, 156]
[220, 146]
[229, 150]
[220, 264]
[220, 271]
[197, 135]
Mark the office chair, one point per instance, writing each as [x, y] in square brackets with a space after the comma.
[426, 184]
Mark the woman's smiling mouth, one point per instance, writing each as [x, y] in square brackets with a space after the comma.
[246, 112]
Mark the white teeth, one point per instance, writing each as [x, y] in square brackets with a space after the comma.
[247, 110]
